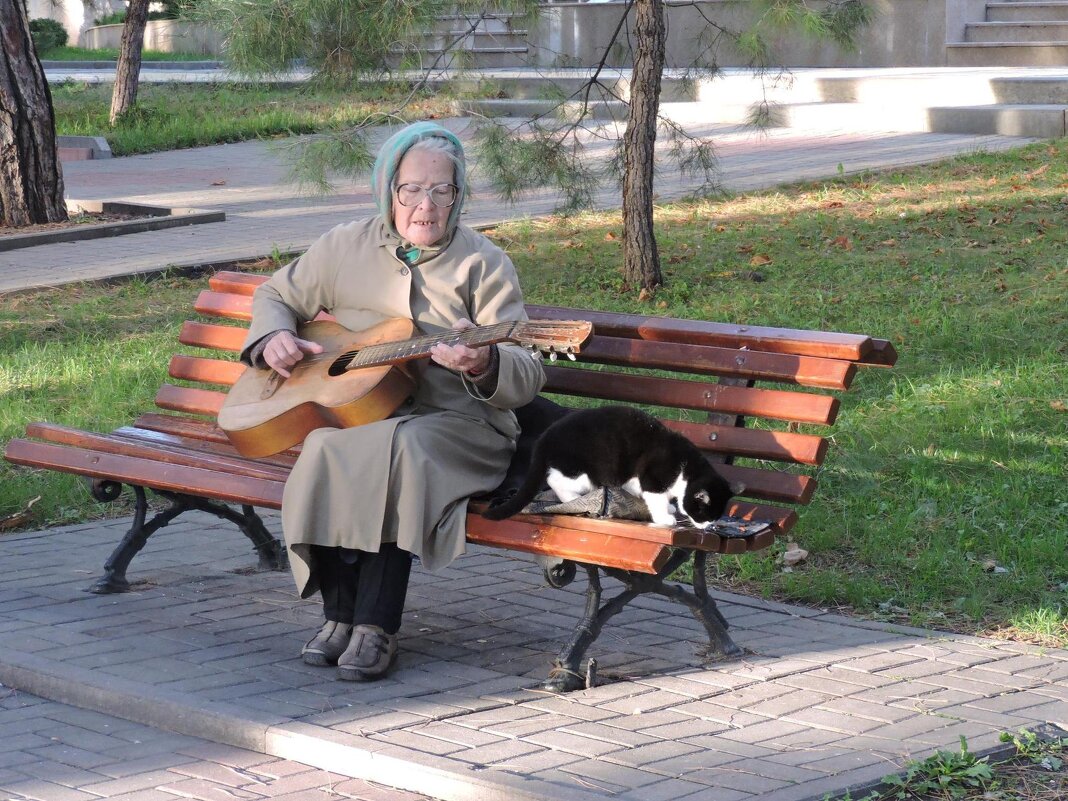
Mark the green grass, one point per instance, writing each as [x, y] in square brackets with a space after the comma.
[173, 116]
[67, 53]
[947, 465]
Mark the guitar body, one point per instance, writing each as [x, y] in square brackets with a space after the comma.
[264, 413]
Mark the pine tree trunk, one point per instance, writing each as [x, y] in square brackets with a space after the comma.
[641, 260]
[31, 180]
[128, 70]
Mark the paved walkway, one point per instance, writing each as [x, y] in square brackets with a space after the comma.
[206, 650]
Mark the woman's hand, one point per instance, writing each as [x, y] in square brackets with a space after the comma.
[285, 349]
[461, 358]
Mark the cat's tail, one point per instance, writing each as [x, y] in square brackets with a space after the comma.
[526, 492]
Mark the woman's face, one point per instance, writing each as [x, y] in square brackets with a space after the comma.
[424, 224]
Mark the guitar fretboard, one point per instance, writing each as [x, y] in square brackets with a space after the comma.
[419, 347]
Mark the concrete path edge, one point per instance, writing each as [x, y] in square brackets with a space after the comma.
[317, 746]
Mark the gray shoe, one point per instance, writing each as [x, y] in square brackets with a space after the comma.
[370, 654]
[325, 647]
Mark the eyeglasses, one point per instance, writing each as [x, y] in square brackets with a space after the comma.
[443, 195]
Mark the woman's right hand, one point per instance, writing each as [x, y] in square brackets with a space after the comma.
[285, 349]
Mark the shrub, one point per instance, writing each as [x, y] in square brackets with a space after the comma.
[47, 34]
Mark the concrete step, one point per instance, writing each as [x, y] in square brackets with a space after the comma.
[1007, 54]
[497, 24]
[1049, 91]
[1053, 10]
[472, 59]
[1042, 121]
[1016, 32]
[472, 41]
[569, 110]
[561, 88]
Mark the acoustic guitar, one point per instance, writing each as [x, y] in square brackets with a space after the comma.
[360, 377]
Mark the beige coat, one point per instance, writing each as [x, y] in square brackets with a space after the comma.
[405, 479]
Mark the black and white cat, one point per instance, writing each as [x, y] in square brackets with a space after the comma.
[617, 446]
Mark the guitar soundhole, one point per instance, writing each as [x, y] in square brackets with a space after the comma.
[340, 364]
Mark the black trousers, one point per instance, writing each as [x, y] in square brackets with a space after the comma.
[363, 587]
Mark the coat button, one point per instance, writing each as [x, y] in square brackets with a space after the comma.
[404, 270]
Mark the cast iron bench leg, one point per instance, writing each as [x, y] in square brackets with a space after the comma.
[272, 554]
[566, 673]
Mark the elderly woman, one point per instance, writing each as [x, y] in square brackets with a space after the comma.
[361, 501]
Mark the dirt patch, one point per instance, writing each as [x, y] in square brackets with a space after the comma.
[75, 220]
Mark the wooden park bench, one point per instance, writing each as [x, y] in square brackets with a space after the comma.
[708, 368]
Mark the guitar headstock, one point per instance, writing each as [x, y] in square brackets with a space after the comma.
[553, 337]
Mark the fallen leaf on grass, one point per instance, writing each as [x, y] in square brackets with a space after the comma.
[759, 260]
[1058, 406]
[19, 518]
[610, 237]
[218, 183]
[842, 242]
[645, 295]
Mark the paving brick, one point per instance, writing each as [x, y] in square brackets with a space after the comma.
[864, 709]
[416, 741]
[673, 789]
[41, 790]
[542, 760]
[499, 754]
[834, 721]
[559, 740]
[619, 735]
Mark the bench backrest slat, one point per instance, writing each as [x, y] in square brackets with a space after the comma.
[710, 360]
[754, 443]
[851, 347]
[205, 371]
[214, 337]
[698, 395]
[190, 400]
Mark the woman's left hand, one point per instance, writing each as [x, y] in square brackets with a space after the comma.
[459, 357]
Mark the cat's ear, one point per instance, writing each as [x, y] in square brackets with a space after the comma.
[737, 488]
[702, 496]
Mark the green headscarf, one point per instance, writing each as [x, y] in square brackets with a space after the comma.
[385, 170]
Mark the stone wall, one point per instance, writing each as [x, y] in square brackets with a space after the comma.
[903, 33]
[165, 35]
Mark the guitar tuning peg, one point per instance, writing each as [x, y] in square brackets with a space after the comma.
[535, 354]
[571, 353]
[552, 356]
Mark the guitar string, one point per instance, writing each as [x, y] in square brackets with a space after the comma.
[428, 341]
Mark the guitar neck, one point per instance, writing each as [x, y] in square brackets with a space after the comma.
[419, 347]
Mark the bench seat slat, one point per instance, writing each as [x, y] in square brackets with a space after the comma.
[710, 360]
[224, 448]
[169, 453]
[700, 395]
[181, 426]
[580, 546]
[147, 473]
